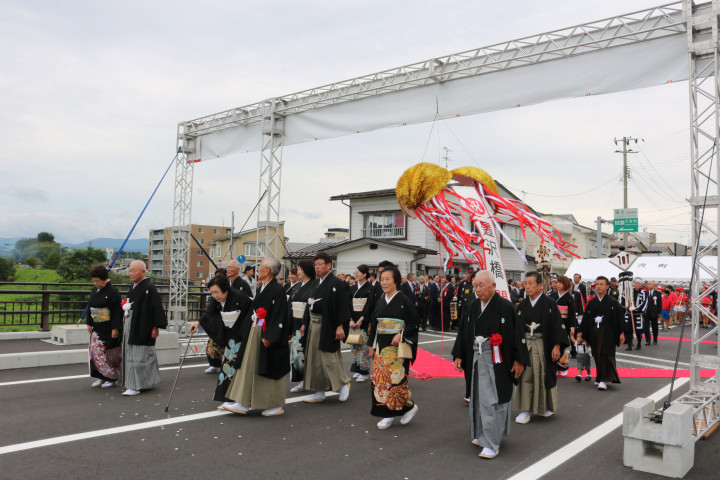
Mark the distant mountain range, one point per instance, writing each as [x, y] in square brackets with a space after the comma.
[133, 245]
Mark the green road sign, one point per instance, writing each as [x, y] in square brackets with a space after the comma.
[626, 225]
[626, 220]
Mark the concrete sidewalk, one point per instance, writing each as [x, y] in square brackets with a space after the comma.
[70, 346]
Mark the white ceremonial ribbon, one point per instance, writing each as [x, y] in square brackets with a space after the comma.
[497, 358]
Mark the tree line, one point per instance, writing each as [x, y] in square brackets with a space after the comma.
[43, 251]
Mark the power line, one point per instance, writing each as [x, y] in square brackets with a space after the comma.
[562, 196]
[652, 168]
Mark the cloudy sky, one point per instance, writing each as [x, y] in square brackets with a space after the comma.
[92, 93]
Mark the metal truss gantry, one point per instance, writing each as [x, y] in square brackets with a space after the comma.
[702, 35]
[631, 28]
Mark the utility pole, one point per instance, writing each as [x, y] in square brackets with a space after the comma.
[232, 235]
[626, 174]
[599, 221]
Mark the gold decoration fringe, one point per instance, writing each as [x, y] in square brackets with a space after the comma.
[476, 174]
[419, 183]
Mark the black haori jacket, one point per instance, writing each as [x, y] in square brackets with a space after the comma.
[498, 317]
[147, 313]
[274, 361]
[331, 301]
[613, 324]
[553, 330]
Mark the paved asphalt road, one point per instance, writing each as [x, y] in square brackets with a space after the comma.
[327, 440]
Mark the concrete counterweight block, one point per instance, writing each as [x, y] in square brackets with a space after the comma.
[666, 448]
[70, 334]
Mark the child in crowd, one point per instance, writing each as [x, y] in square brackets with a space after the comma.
[680, 306]
[583, 357]
[665, 314]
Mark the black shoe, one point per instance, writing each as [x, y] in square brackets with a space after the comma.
[587, 379]
[578, 378]
[655, 342]
[647, 343]
[629, 347]
[639, 347]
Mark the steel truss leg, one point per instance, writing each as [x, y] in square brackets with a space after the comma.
[702, 33]
[268, 212]
[180, 235]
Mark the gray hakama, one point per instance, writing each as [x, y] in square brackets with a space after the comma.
[323, 370]
[250, 389]
[489, 420]
[140, 370]
[534, 396]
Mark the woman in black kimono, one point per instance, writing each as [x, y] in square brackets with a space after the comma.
[394, 320]
[226, 333]
[359, 294]
[104, 323]
[297, 302]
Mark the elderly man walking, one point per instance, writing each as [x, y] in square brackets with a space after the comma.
[260, 382]
[144, 316]
[546, 338]
[491, 343]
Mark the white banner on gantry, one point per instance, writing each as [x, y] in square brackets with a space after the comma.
[633, 66]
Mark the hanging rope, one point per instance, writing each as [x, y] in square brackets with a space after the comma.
[117, 255]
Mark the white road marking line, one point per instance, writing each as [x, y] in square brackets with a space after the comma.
[75, 377]
[652, 359]
[562, 455]
[437, 334]
[644, 364]
[128, 428]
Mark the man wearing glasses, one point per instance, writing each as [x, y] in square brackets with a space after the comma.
[328, 318]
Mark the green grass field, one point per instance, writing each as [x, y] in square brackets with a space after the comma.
[27, 275]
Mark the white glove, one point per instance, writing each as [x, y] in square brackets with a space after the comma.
[632, 309]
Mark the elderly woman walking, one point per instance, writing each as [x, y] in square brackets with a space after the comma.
[104, 324]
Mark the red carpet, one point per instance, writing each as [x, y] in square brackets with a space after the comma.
[428, 366]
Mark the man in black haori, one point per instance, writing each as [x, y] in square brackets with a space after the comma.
[493, 341]
[546, 338]
[602, 327]
[326, 327]
[236, 281]
[464, 292]
[260, 382]
[144, 316]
